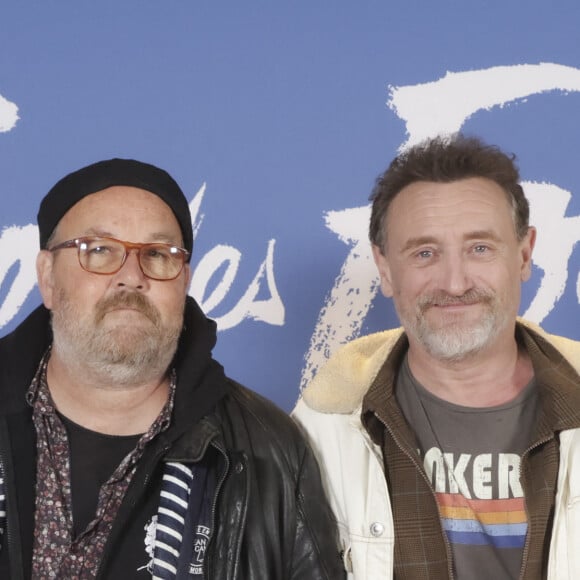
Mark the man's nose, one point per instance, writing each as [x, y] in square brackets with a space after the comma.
[131, 275]
[454, 275]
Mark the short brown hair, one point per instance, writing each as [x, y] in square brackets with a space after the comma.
[445, 159]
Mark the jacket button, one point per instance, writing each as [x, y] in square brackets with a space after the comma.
[239, 467]
[377, 529]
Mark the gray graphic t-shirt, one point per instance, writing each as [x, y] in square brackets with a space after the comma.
[472, 458]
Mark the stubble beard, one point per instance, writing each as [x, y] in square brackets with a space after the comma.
[115, 354]
[456, 341]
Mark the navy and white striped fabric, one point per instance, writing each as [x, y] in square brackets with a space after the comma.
[173, 503]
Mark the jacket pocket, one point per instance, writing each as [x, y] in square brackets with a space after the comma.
[368, 557]
[573, 525]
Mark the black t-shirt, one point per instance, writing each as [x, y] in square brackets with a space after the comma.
[93, 459]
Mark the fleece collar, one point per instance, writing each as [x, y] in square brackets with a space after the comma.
[340, 385]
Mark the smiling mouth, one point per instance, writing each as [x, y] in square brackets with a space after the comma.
[452, 308]
[454, 304]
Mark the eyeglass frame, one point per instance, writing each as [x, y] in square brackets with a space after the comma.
[128, 246]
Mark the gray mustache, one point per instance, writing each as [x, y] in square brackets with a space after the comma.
[128, 300]
[444, 299]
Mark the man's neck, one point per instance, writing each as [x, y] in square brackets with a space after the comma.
[489, 378]
[105, 407]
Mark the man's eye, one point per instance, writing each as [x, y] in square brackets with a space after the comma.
[158, 254]
[98, 250]
[480, 249]
[424, 254]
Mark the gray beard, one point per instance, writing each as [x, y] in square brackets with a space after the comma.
[119, 356]
[453, 344]
[456, 342]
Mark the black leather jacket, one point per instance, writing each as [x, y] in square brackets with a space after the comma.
[272, 520]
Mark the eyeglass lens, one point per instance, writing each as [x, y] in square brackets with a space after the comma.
[158, 261]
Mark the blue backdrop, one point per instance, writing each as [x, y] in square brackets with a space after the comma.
[275, 118]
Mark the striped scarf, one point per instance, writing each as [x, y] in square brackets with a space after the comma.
[173, 504]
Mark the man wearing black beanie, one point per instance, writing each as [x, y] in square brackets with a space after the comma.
[125, 451]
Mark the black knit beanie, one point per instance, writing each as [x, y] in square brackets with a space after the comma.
[73, 187]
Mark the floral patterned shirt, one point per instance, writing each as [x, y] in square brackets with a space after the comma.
[56, 553]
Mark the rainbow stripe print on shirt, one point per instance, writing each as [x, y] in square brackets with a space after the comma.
[501, 523]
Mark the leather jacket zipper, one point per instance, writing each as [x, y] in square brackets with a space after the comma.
[208, 560]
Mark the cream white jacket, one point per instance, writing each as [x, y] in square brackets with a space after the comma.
[352, 465]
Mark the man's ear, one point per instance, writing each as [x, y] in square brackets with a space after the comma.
[526, 249]
[384, 269]
[44, 264]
